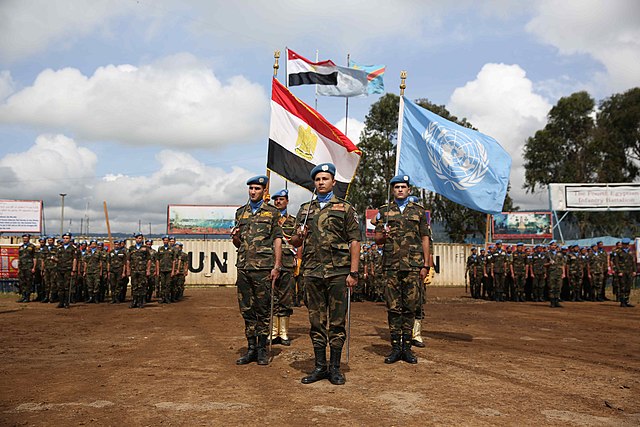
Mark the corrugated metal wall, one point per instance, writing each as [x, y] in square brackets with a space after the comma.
[213, 263]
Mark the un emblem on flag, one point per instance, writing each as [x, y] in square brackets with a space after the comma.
[306, 143]
[457, 159]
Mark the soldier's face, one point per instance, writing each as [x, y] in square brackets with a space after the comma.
[49, 242]
[324, 182]
[256, 192]
[139, 240]
[25, 239]
[281, 202]
[165, 241]
[93, 245]
[66, 240]
[401, 191]
[553, 247]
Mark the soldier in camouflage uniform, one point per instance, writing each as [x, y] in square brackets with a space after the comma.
[519, 266]
[603, 258]
[283, 291]
[585, 281]
[116, 271]
[401, 226]
[474, 272]
[153, 277]
[67, 263]
[556, 272]
[482, 264]
[499, 268]
[38, 278]
[598, 265]
[538, 274]
[26, 267]
[79, 288]
[329, 229]
[615, 279]
[92, 271]
[139, 268]
[574, 267]
[104, 283]
[182, 270]
[49, 270]
[625, 268]
[377, 282]
[166, 266]
[258, 237]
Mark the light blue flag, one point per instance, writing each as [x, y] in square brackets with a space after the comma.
[463, 165]
[375, 73]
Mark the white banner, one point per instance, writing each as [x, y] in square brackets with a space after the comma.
[594, 197]
[20, 216]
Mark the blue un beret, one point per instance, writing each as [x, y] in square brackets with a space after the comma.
[323, 167]
[626, 241]
[498, 242]
[281, 193]
[138, 235]
[258, 179]
[400, 179]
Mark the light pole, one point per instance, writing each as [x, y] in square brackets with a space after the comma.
[62, 215]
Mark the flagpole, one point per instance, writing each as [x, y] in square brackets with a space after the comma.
[346, 105]
[403, 85]
[315, 105]
[286, 71]
[276, 66]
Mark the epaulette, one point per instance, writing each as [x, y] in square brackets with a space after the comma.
[418, 205]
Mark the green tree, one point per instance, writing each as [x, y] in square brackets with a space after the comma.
[377, 167]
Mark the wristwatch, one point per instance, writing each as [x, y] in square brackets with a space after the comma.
[354, 274]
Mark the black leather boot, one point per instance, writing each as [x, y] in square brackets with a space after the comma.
[396, 350]
[134, 302]
[628, 303]
[251, 354]
[141, 301]
[263, 355]
[335, 376]
[407, 354]
[320, 372]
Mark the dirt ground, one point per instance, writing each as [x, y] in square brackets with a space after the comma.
[485, 364]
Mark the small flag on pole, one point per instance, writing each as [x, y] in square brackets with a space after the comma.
[300, 139]
[301, 71]
[375, 75]
[463, 165]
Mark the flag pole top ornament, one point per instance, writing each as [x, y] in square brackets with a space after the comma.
[276, 65]
[403, 85]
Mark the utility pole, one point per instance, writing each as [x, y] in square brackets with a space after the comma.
[62, 215]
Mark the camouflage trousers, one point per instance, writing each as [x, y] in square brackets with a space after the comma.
[152, 280]
[283, 295]
[422, 300]
[538, 285]
[25, 280]
[92, 281]
[555, 285]
[164, 277]
[575, 284]
[254, 299]
[499, 279]
[49, 282]
[138, 283]
[624, 286]
[597, 281]
[519, 281]
[327, 302]
[116, 283]
[403, 297]
[65, 279]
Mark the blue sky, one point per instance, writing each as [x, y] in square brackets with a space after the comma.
[146, 103]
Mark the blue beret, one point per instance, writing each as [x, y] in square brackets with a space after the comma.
[166, 236]
[149, 241]
[564, 248]
[138, 235]
[400, 179]
[66, 234]
[42, 239]
[594, 244]
[498, 242]
[281, 193]
[626, 241]
[520, 244]
[179, 244]
[26, 235]
[599, 242]
[552, 242]
[258, 179]
[474, 248]
[93, 241]
[323, 167]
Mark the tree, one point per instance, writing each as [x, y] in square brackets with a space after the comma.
[377, 167]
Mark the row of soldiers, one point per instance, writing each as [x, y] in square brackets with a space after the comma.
[68, 272]
[502, 274]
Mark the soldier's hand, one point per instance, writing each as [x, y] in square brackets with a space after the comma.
[275, 273]
[302, 231]
[424, 272]
[351, 281]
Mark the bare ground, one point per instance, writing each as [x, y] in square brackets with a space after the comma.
[485, 364]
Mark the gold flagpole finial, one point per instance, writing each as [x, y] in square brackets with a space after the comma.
[276, 55]
[403, 85]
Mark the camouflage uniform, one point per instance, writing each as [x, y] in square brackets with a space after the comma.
[67, 263]
[326, 262]
[499, 268]
[555, 272]
[117, 277]
[166, 260]
[50, 271]
[79, 285]
[104, 281]
[625, 268]
[182, 268]
[599, 266]
[519, 262]
[539, 275]
[139, 260]
[26, 258]
[92, 273]
[475, 274]
[284, 287]
[153, 277]
[575, 275]
[257, 232]
[402, 260]
[38, 278]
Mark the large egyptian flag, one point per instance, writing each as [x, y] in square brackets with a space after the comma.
[300, 138]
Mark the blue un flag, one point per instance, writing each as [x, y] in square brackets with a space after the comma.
[463, 165]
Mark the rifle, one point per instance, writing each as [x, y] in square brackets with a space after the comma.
[466, 281]
[348, 323]
[273, 285]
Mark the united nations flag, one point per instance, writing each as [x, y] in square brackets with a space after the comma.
[461, 164]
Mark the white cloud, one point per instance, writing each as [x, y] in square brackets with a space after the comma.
[606, 30]
[501, 103]
[6, 84]
[177, 102]
[354, 129]
[29, 27]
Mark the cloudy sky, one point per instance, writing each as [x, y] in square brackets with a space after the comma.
[145, 103]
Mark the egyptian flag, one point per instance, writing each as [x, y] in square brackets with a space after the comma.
[301, 71]
[300, 139]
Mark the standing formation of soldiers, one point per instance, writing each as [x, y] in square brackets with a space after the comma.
[567, 273]
[67, 272]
